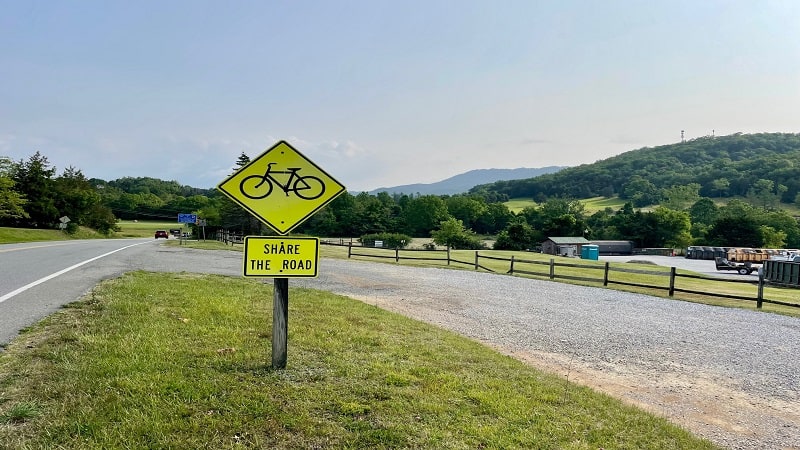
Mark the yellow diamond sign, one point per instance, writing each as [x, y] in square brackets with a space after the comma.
[281, 187]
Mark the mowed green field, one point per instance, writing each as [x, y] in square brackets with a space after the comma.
[591, 204]
[595, 204]
[127, 229]
[144, 228]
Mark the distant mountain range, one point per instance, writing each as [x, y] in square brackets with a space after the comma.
[462, 183]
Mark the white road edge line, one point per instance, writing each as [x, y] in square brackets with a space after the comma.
[61, 272]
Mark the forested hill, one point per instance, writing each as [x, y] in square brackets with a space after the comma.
[723, 166]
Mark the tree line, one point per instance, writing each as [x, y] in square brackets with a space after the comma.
[32, 194]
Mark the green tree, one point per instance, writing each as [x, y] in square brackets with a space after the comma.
[735, 232]
[235, 218]
[720, 187]
[424, 214]
[12, 203]
[781, 222]
[467, 209]
[679, 198]
[79, 200]
[518, 235]
[556, 217]
[494, 218]
[453, 234]
[704, 211]
[641, 192]
[673, 228]
[765, 194]
[33, 179]
[772, 238]
[370, 215]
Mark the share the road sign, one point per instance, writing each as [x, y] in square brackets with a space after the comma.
[281, 187]
[280, 257]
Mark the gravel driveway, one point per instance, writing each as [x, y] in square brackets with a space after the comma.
[728, 375]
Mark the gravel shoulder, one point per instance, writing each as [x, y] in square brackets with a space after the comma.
[728, 375]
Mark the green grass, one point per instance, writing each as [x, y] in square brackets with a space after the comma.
[127, 229]
[144, 228]
[591, 205]
[595, 204]
[516, 205]
[182, 361]
[14, 235]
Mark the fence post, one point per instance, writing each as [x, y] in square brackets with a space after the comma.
[552, 268]
[671, 281]
[476, 260]
[511, 270]
[448, 255]
[396, 255]
[605, 276]
[349, 250]
[760, 300]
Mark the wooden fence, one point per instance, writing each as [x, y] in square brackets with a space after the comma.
[230, 237]
[569, 269]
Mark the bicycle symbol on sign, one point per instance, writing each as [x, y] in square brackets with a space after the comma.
[306, 187]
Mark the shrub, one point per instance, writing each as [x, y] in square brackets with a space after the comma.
[453, 234]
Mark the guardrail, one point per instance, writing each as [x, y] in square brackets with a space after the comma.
[576, 271]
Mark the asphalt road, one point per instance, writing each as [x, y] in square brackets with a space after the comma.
[701, 266]
[37, 278]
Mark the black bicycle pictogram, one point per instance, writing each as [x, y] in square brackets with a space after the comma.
[306, 187]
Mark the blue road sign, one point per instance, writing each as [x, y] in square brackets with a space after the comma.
[187, 218]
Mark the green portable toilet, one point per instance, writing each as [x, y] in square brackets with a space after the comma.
[590, 251]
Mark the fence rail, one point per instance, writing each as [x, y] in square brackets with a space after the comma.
[576, 271]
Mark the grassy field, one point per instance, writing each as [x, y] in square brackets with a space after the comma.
[127, 229]
[13, 235]
[595, 204]
[591, 205]
[144, 228]
[516, 205]
[182, 361]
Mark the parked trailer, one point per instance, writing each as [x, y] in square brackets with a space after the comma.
[745, 268]
[609, 248]
[737, 254]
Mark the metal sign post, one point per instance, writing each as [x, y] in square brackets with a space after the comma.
[282, 188]
[187, 219]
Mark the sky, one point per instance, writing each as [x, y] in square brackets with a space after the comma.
[385, 93]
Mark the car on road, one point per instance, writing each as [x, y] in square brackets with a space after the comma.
[162, 234]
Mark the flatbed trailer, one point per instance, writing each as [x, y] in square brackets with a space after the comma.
[745, 268]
